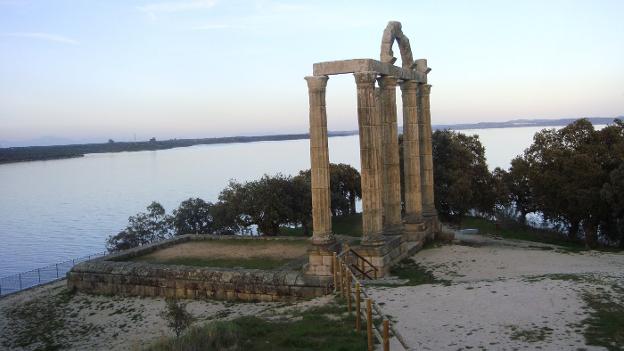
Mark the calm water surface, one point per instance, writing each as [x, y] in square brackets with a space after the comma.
[56, 210]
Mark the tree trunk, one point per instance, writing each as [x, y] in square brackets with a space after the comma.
[573, 231]
[306, 230]
[590, 234]
[352, 203]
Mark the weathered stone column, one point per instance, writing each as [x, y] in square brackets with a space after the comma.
[391, 189]
[320, 254]
[426, 159]
[319, 159]
[370, 156]
[414, 226]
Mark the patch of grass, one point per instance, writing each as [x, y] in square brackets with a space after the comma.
[321, 328]
[530, 335]
[521, 232]
[605, 325]
[415, 273]
[248, 263]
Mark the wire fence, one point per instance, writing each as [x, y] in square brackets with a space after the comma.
[25, 280]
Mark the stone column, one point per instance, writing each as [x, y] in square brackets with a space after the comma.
[320, 254]
[414, 227]
[319, 158]
[391, 189]
[426, 159]
[370, 156]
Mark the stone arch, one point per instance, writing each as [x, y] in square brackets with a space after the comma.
[394, 32]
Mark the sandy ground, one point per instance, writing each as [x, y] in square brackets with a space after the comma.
[116, 323]
[498, 295]
[501, 295]
[226, 249]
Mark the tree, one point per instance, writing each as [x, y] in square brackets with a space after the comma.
[142, 229]
[345, 188]
[518, 189]
[177, 317]
[462, 179]
[265, 202]
[194, 216]
[566, 175]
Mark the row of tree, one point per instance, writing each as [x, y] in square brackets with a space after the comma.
[269, 204]
[573, 177]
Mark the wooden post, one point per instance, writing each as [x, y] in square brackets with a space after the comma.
[335, 264]
[369, 323]
[358, 320]
[340, 278]
[344, 280]
[386, 335]
[348, 292]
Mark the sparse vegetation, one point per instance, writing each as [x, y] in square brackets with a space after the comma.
[414, 273]
[304, 331]
[605, 325]
[177, 317]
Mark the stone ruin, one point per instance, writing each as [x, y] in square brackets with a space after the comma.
[388, 235]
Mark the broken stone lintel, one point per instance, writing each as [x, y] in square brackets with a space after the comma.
[367, 65]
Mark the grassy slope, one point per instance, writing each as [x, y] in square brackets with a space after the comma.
[350, 225]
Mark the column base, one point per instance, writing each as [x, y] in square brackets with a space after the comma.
[320, 259]
[384, 256]
[396, 229]
[415, 232]
[432, 224]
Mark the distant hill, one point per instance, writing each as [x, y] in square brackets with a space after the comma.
[516, 123]
[38, 153]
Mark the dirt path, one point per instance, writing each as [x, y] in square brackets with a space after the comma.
[503, 296]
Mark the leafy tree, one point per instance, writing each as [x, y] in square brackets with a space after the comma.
[518, 189]
[142, 229]
[265, 203]
[345, 188]
[567, 171]
[194, 216]
[462, 179]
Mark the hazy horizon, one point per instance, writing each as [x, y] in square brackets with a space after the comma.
[91, 71]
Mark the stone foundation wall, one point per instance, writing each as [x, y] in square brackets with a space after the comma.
[112, 275]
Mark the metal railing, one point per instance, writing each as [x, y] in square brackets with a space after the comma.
[42, 275]
[347, 284]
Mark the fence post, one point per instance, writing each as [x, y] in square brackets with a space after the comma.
[348, 292]
[369, 323]
[39, 275]
[344, 280]
[335, 264]
[19, 276]
[386, 335]
[57, 274]
[358, 321]
[73, 262]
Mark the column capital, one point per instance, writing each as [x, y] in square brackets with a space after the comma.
[387, 82]
[365, 78]
[408, 85]
[316, 83]
[424, 89]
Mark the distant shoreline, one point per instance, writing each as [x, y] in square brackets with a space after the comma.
[56, 152]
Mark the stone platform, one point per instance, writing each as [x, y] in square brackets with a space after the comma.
[117, 275]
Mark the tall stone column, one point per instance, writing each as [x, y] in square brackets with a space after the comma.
[319, 158]
[391, 188]
[370, 156]
[426, 159]
[414, 226]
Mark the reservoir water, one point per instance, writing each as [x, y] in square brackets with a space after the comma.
[56, 210]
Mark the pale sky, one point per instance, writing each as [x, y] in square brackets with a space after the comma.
[93, 70]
